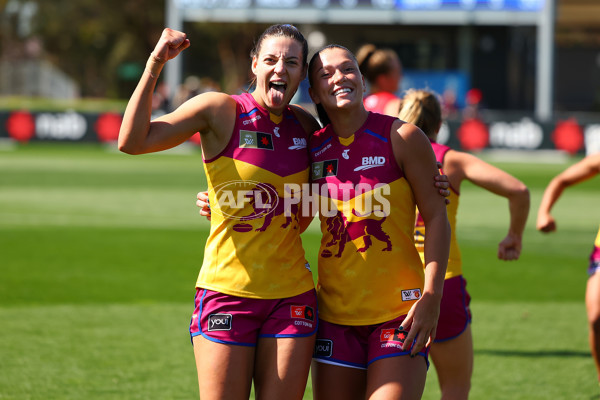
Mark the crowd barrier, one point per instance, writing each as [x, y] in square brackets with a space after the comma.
[570, 134]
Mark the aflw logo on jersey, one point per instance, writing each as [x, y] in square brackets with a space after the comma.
[371, 162]
[256, 140]
[299, 143]
[324, 168]
[411, 294]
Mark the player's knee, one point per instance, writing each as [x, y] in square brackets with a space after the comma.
[456, 390]
[595, 323]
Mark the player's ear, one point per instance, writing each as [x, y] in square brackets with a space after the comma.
[254, 64]
[313, 96]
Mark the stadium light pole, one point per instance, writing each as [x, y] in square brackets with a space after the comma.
[544, 85]
[174, 66]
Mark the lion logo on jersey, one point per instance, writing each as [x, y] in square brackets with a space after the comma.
[344, 231]
[267, 204]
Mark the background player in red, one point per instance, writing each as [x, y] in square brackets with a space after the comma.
[452, 351]
[577, 173]
[383, 70]
[254, 284]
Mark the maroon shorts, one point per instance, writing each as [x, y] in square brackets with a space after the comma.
[238, 320]
[359, 346]
[455, 314]
[594, 261]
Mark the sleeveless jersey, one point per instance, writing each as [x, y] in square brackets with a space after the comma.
[376, 102]
[369, 269]
[254, 247]
[454, 258]
[595, 256]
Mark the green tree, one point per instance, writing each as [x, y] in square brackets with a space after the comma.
[92, 41]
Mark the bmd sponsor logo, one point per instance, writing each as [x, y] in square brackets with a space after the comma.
[299, 143]
[371, 162]
[219, 322]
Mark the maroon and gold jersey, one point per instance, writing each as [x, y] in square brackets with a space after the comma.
[254, 247]
[595, 255]
[454, 258]
[369, 268]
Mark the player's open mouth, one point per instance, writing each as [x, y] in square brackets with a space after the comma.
[277, 91]
[278, 85]
[339, 91]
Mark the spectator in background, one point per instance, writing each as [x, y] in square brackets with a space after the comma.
[473, 100]
[161, 103]
[577, 173]
[383, 71]
[193, 86]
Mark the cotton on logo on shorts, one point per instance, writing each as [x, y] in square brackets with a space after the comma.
[411, 294]
[303, 312]
[219, 322]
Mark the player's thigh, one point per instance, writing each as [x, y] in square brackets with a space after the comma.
[336, 382]
[592, 297]
[224, 370]
[396, 378]
[453, 359]
[282, 366]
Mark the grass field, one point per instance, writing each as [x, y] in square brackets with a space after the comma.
[99, 252]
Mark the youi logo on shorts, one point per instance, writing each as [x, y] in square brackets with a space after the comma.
[371, 162]
[219, 322]
[411, 294]
[304, 312]
[323, 348]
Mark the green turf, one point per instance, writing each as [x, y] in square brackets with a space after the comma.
[99, 252]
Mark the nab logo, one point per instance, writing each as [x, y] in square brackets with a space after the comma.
[323, 348]
[219, 322]
[299, 143]
[303, 312]
[411, 294]
[371, 162]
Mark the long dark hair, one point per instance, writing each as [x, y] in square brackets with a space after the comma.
[321, 113]
[279, 30]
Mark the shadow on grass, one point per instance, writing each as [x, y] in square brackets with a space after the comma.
[537, 353]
